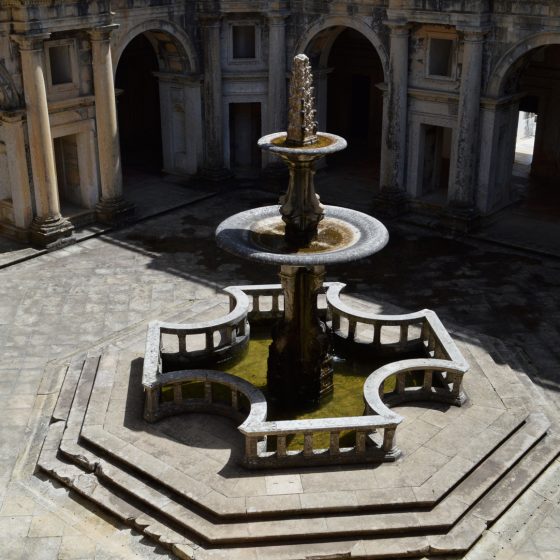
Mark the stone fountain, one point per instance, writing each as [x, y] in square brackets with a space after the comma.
[175, 477]
[302, 236]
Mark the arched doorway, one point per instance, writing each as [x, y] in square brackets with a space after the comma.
[530, 133]
[159, 104]
[349, 72]
[139, 107]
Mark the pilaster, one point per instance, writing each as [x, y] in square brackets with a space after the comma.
[392, 197]
[463, 173]
[214, 168]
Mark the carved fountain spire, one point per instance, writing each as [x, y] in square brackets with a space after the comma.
[301, 209]
[302, 126]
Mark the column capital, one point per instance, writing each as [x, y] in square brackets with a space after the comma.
[103, 32]
[473, 34]
[30, 41]
[398, 27]
[276, 18]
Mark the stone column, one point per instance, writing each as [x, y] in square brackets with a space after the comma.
[276, 72]
[214, 168]
[463, 172]
[48, 226]
[393, 143]
[112, 207]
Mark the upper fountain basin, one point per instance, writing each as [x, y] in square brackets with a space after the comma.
[326, 144]
[344, 235]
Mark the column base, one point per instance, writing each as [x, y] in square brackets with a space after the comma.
[390, 203]
[114, 211]
[460, 218]
[51, 233]
[215, 174]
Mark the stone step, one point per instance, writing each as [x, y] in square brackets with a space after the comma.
[335, 524]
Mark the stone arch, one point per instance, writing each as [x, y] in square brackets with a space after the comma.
[337, 24]
[174, 49]
[507, 61]
[9, 98]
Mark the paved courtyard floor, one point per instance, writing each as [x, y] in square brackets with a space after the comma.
[57, 304]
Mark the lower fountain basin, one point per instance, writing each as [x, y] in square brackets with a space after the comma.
[344, 235]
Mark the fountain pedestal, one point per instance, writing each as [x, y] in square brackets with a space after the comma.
[300, 369]
[301, 236]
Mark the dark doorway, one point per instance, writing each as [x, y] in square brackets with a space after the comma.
[354, 103]
[244, 132]
[435, 162]
[534, 174]
[138, 107]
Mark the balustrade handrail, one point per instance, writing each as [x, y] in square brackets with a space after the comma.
[237, 314]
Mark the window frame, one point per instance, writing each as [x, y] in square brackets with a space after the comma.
[453, 54]
[71, 87]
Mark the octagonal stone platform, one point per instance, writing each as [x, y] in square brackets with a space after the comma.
[179, 481]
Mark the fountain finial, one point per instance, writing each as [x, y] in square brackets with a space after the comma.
[302, 126]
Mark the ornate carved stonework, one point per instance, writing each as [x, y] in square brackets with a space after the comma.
[302, 126]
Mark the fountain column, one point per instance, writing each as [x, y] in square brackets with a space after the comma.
[112, 206]
[48, 226]
[393, 142]
[299, 362]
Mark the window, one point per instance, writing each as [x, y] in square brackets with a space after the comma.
[440, 60]
[61, 64]
[244, 41]
[61, 68]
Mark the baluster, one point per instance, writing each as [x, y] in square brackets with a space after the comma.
[209, 340]
[230, 335]
[401, 383]
[389, 439]
[256, 303]
[425, 332]
[404, 334]
[208, 391]
[151, 405]
[275, 305]
[334, 444]
[281, 446]
[360, 441]
[351, 329]
[177, 394]
[182, 343]
[308, 444]
[335, 321]
[377, 333]
[427, 385]
[251, 447]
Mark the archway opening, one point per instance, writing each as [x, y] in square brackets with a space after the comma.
[535, 130]
[139, 107]
[348, 73]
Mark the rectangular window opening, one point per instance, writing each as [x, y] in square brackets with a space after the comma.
[61, 65]
[244, 41]
[441, 57]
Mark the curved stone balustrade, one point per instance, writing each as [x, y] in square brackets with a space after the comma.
[232, 332]
[266, 442]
